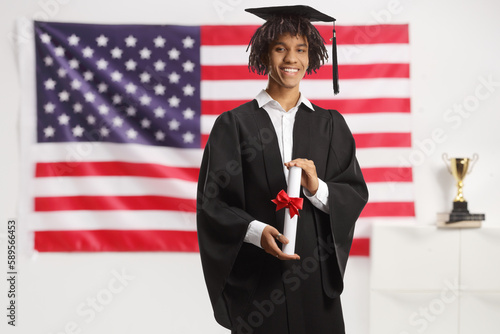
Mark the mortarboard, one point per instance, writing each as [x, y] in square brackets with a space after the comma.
[313, 15]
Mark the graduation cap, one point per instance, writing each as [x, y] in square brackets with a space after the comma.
[310, 13]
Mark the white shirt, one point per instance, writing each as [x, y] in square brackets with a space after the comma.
[283, 122]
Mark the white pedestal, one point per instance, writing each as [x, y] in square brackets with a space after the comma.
[430, 280]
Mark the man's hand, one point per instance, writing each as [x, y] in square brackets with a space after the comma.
[309, 178]
[268, 243]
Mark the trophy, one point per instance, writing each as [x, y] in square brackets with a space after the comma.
[459, 168]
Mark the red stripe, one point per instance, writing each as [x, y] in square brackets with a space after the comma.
[114, 203]
[116, 241]
[217, 107]
[114, 168]
[368, 34]
[360, 247]
[204, 140]
[367, 71]
[388, 174]
[361, 106]
[383, 174]
[350, 106]
[241, 72]
[137, 240]
[389, 209]
[367, 140]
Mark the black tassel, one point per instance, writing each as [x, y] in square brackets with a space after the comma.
[335, 66]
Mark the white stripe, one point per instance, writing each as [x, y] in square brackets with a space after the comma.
[372, 54]
[91, 151]
[113, 220]
[141, 186]
[223, 55]
[207, 123]
[113, 186]
[313, 89]
[379, 122]
[391, 191]
[383, 157]
[154, 220]
[364, 225]
[358, 123]
[347, 54]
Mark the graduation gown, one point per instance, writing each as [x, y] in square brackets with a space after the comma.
[250, 290]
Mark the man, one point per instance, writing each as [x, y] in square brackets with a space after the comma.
[254, 287]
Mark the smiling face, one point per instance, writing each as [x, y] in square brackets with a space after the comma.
[287, 63]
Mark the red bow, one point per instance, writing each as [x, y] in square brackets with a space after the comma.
[294, 204]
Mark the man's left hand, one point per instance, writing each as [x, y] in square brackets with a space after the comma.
[309, 178]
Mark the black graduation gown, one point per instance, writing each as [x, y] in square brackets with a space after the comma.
[250, 290]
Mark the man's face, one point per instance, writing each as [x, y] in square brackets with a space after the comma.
[288, 60]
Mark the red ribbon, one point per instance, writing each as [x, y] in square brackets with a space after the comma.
[294, 204]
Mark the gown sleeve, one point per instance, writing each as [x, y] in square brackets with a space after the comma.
[222, 221]
[348, 194]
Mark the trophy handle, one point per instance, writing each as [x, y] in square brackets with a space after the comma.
[473, 161]
[446, 162]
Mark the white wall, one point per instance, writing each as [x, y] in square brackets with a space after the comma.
[454, 47]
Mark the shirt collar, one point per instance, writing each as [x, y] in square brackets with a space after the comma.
[264, 98]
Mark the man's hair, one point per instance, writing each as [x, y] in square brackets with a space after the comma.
[280, 25]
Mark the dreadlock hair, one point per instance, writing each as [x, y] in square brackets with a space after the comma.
[286, 24]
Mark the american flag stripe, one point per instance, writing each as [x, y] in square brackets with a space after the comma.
[360, 247]
[394, 157]
[115, 168]
[382, 139]
[158, 220]
[347, 55]
[388, 209]
[74, 154]
[367, 140]
[115, 202]
[236, 90]
[362, 71]
[116, 241]
[364, 224]
[110, 196]
[350, 106]
[359, 123]
[387, 174]
[117, 185]
[360, 34]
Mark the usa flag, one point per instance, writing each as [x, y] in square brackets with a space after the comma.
[123, 113]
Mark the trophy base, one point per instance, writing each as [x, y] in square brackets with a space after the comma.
[461, 213]
[460, 207]
[459, 224]
[460, 217]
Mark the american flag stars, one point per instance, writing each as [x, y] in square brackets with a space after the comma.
[50, 84]
[135, 85]
[174, 54]
[159, 42]
[130, 41]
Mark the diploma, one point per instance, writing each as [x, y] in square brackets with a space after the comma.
[290, 226]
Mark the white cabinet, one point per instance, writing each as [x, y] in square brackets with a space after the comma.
[434, 281]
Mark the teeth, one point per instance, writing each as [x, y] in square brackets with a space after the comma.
[290, 70]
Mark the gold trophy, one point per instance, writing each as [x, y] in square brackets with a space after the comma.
[459, 168]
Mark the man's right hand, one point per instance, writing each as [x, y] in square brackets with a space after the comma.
[268, 243]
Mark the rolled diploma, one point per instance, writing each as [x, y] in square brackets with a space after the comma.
[290, 225]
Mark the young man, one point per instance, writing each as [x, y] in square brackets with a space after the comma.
[254, 287]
